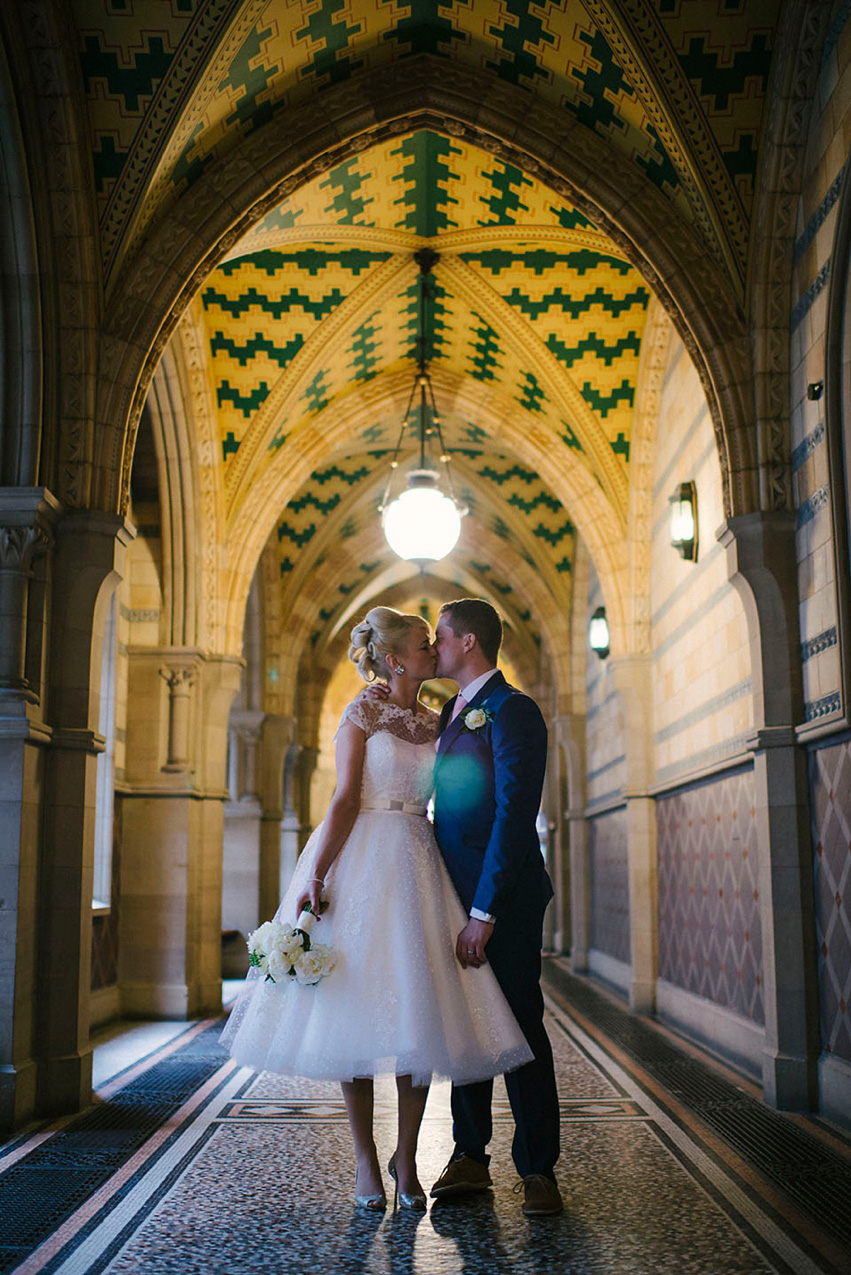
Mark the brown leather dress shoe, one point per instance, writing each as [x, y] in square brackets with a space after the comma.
[541, 1196]
[461, 1176]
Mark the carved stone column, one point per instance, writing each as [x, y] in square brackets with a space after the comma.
[179, 679]
[307, 759]
[241, 867]
[571, 735]
[276, 741]
[290, 822]
[88, 563]
[761, 563]
[633, 677]
[27, 518]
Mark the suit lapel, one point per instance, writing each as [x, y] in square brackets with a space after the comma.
[454, 729]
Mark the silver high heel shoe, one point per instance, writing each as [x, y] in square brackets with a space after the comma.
[376, 1203]
[417, 1201]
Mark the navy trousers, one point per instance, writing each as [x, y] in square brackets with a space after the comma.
[514, 953]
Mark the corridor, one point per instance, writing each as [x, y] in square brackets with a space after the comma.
[186, 1163]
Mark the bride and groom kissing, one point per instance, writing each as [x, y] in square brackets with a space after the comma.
[437, 930]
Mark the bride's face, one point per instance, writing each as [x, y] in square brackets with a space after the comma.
[419, 657]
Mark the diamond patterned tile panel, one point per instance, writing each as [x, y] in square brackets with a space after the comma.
[830, 778]
[710, 937]
[607, 853]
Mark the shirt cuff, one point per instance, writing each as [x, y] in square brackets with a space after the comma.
[476, 914]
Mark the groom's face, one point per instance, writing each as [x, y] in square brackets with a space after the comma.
[450, 649]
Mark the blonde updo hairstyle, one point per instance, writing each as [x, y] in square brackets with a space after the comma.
[383, 632]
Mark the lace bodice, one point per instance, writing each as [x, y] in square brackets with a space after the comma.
[399, 760]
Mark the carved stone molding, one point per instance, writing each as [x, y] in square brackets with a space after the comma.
[190, 339]
[651, 371]
[58, 153]
[797, 57]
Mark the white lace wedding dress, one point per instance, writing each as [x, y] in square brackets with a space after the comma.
[398, 1000]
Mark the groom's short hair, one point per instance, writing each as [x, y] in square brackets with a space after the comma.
[476, 616]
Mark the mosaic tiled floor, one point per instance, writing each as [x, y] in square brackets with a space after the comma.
[188, 1164]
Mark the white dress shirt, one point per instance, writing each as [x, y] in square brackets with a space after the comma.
[470, 691]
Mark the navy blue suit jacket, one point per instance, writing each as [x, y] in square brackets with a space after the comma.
[487, 795]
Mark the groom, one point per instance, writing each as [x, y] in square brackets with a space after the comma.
[489, 772]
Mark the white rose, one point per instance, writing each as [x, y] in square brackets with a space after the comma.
[290, 945]
[475, 719]
[327, 957]
[308, 967]
[262, 939]
[279, 966]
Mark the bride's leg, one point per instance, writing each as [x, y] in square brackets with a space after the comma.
[412, 1101]
[358, 1095]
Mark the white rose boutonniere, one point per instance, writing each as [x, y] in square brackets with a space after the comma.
[476, 718]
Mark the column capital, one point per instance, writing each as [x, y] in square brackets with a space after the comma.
[28, 517]
[178, 677]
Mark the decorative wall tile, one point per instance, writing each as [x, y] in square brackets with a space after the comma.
[710, 938]
[830, 779]
[607, 853]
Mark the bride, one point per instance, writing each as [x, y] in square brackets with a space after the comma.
[398, 1001]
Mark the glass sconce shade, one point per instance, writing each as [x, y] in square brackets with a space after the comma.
[422, 525]
[684, 520]
[598, 633]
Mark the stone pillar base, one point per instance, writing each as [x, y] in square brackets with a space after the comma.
[65, 1082]
[17, 1094]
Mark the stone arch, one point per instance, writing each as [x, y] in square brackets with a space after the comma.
[40, 42]
[654, 350]
[157, 284]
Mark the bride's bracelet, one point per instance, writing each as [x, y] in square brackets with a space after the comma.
[321, 880]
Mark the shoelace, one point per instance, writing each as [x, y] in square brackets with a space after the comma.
[532, 1177]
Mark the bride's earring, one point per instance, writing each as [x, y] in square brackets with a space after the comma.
[398, 671]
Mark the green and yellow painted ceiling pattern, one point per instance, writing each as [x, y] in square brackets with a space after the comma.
[548, 314]
[173, 84]
[311, 324]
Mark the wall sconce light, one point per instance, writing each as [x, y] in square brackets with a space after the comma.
[598, 633]
[684, 520]
[815, 390]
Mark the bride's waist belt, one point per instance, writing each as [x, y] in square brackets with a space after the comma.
[399, 807]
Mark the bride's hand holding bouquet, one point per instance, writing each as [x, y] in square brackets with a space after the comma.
[281, 952]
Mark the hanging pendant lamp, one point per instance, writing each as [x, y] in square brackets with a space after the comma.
[422, 524]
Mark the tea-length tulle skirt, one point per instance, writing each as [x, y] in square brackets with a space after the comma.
[398, 1000]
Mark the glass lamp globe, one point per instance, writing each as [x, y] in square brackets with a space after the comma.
[598, 633]
[422, 525]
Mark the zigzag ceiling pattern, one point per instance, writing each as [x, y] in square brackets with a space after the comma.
[311, 324]
[173, 84]
[552, 318]
[528, 302]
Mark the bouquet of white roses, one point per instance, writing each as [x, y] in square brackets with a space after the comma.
[279, 951]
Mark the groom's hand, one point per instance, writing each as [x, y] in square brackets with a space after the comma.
[376, 691]
[472, 941]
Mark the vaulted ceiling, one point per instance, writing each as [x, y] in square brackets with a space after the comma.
[535, 324]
